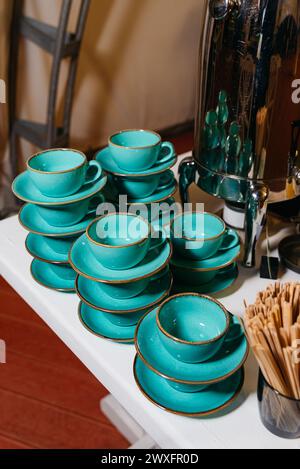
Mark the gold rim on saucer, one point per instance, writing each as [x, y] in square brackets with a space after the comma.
[165, 294]
[51, 235]
[173, 161]
[182, 381]
[118, 282]
[189, 414]
[57, 204]
[203, 269]
[41, 258]
[122, 341]
[62, 290]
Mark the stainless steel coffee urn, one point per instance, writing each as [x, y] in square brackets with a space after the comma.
[247, 126]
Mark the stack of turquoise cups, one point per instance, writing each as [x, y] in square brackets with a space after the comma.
[123, 271]
[62, 190]
[138, 164]
[205, 253]
[190, 355]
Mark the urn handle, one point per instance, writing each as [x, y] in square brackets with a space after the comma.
[219, 9]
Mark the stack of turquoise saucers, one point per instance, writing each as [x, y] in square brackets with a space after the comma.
[190, 355]
[205, 253]
[62, 191]
[139, 163]
[123, 269]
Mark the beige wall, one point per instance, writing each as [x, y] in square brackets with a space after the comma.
[137, 67]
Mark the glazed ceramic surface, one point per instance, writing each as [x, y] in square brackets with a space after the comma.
[121, 291]
[92, 293]
[33, 222]
[138, 150]
[227, 361]
[220, 260]
[70, 214]
[56, 277]
[84, 262]
[62, 172]
[107, 163]
[192, 327]
[53, 250]
[24, 189]
[208, 401]
[223, 280]
[99, 325]
[198, 235]
[157, 196]
[138, 188]
[119, 240]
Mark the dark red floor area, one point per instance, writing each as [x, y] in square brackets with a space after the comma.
[48, 399]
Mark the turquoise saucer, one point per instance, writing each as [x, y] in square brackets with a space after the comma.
[220, 260]
[228, 360]
[53, 276]
[31, 220]
[197, 404]
[53, 250]
[25, 190]
[107, 163]
[98, 324]
[82, 260]
[91, 293]
[223, 280]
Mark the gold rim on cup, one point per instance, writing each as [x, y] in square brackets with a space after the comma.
[54, 150]
[202, 213]
[201, 342]
[134, 147]
[140, 241]
[182, 381]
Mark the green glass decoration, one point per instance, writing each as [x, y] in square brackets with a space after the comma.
[211, 133]
[233, 147]
[222, 113]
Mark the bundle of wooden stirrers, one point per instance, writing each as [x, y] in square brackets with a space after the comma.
[272, 326]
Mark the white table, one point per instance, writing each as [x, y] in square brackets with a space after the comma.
[112, 363]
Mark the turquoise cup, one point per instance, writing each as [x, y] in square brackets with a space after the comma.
[139, 187]
[61, 172]
[192, 327]
[119, 241]
[199, 235]
[138, 150]
[70, 214]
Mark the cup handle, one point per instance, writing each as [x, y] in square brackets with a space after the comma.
[94, 176]
[165, 156]
[158, 242]
[94, 202]
[230, 240]
[167, 180]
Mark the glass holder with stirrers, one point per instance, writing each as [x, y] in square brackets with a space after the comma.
[272, 325]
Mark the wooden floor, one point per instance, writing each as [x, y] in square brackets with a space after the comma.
[48, 399]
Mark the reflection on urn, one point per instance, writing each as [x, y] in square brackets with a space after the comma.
[245, 117]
